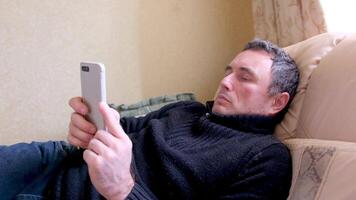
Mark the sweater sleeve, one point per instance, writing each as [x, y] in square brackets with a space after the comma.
[139, 193]
[135, 124]
[267, 175]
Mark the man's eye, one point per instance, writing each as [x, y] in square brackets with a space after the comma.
[244, 77]
[227, 72]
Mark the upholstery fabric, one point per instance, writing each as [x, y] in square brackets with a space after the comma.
[329, 109]
[307, 55]
[322, 169]
[143, 107]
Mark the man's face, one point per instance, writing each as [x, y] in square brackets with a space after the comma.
[244, 89]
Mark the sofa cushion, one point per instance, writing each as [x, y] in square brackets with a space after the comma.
[322, 169]
[329, 108]
[144, 107]
[307, 55]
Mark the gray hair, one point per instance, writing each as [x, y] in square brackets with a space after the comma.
[285, 74]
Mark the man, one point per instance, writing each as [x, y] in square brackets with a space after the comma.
[186, 150]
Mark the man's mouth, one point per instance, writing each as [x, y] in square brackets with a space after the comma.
[222, 98]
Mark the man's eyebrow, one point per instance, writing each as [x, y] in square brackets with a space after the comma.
[228, 67]
[244, 69]
[248, 70]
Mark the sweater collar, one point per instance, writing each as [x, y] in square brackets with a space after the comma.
[248, 123]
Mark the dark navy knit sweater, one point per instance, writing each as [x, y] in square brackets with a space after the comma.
[183, 151]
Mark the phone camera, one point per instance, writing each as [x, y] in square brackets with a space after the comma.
[85, 68]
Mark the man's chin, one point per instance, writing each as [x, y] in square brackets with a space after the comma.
[220, 109]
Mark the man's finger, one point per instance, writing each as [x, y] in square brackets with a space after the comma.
[79, 134]
[97, 147]
[78, 105]
[80, 122]
[111, 122]
[105, 137]
[116, 114]
[76, 142]
[89, 157]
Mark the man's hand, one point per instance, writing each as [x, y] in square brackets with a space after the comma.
[80, 131]
[109, 156]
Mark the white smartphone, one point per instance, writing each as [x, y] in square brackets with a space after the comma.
[93, 90]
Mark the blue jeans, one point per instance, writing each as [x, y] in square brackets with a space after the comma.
[27, 169]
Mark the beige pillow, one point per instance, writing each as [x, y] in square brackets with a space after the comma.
[322, 169]
[329, 108]
[307, 55]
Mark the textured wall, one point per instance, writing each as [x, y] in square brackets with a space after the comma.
[42, 43]
[149, 47]
[190, 42]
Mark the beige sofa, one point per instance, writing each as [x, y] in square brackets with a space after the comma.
[320, 126]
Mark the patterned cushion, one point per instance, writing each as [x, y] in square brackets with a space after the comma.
[322, 169]
[145, 106]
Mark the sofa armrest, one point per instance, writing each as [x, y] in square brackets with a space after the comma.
[322, 169]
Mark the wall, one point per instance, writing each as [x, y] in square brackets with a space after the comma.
[185, 45]
[149, 47]
[42, 43]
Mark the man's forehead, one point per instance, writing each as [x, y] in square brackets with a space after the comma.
[247, 69]
[252, 58]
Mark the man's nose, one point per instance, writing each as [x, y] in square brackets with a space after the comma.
[227, 82]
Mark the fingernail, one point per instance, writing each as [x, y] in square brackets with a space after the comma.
[82, 111]
[104, 104]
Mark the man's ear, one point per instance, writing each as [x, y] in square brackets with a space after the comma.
[280, 101]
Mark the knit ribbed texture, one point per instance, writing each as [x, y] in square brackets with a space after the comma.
[138, 193]
[184, 151]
